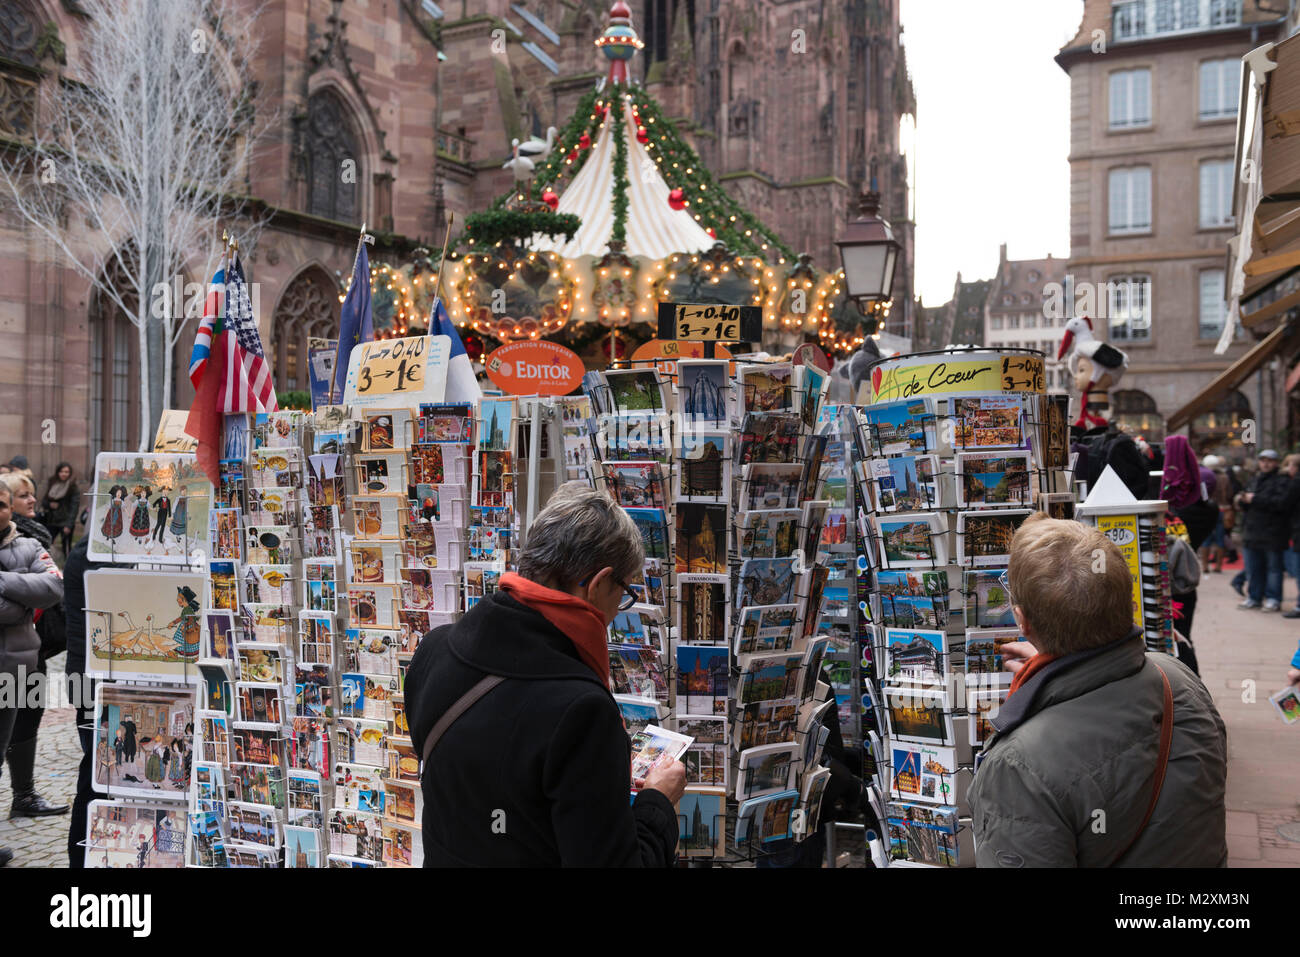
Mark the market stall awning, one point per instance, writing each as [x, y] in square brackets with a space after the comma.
[1279, 339]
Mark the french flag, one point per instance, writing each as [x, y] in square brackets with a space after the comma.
[462, 386]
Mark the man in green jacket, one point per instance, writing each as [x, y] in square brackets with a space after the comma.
[1093, 763]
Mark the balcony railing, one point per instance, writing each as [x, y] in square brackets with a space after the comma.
[1144, 19]
[456, 146]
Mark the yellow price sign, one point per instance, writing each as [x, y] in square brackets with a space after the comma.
[710, 322]
[397, 371]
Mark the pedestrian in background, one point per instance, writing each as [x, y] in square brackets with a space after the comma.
[1188, 491]
[29, 581]
[1267, 532]
[50, 627]
[1215, 548]
[59, 506]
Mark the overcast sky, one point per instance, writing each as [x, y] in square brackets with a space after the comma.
[992, 140]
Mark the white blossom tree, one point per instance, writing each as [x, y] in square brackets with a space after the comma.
[139, 158]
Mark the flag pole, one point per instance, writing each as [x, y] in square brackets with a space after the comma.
[437, 289]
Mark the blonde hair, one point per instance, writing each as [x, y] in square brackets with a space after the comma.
[17, 482]
[1290, 460]
[1071, 584]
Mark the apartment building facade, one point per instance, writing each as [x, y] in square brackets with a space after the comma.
[1020, 310]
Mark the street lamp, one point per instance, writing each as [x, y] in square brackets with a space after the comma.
[869, 252]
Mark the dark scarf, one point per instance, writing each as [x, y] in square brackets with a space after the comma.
[33, 529]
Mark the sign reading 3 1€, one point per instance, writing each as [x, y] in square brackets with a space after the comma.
[397, 372]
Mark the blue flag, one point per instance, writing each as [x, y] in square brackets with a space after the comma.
[462, 386]
[356, 324]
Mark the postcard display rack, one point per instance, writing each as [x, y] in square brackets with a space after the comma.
[722, 474]
[944, 477]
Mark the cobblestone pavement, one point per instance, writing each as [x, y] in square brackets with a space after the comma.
[1243, 657]
[43, 841]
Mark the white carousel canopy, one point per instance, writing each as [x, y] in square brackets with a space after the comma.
[654, 229]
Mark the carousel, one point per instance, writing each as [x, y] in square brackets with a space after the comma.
[609, 216]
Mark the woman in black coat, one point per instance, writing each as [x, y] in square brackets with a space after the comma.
[536, 772]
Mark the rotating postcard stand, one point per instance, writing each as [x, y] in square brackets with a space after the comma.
[1137, 527]
[954, 449]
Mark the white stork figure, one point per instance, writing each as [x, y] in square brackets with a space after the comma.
[1106, 365]
[521, 166]
[537, 150]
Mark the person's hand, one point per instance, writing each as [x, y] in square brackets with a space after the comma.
[67, 531]
[1015, 654]
[1247, 497]
[669, 779]
[1293, 676]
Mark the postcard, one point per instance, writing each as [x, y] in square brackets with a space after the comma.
[144, 626]
[770, 533]
[765, 628]
[309, 745]
[652, 524]
[701, 609]
[813, 384]
[374, 561]
[766, 581]
[147, 507]
[269, 584]
[403, 802]
[652, 746]
[900, 428]
[813, 524]
[1287, 703]
[921, 772]
[373, 604]
[984, 652]
[766, 769]
[766, 387]
[907, 482]
[920, 715]
[304, 795]
[257, 783]
[316, 638]
[922, 833]
[267, 622]
[1057, 505]
[767, 677]
[704, 467]
[496, 478]
[702, 822]
[268, 544]
[765, 819]
[988, 601]
[917, 540]
[637, 670]
[638, 712]
[270, 506]
[984, 537]
[214, 733]
[810, 801]
[992, 478]
[768, 437]
[224, 535]
[259, 702]
[143, 741]
[635, 390]
[355, 833]
[767, 722]
[371, 650]
[636, 484]
[983, 706]
[915, 656]
[703, 390]
[135, 835]
[987, 422]
[708, 759]
[701, 538]
[219, 635]
[703, 672]
[913, 611]
[255, 744]
[403, 846]
[769, 486]
[650, 585]
[1054, 429]
[260, 662]
[360, 741]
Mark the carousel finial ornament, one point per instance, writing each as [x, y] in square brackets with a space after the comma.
[1095, 366]
[619, 42]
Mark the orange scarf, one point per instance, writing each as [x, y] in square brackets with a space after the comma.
[576, 618]
[1033, 665]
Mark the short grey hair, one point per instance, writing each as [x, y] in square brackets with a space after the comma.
[17, 482]
[580, 532]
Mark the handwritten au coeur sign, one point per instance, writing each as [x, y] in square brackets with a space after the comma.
[973, 373]
[535, 368]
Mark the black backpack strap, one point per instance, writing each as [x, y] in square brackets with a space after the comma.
[463, 704]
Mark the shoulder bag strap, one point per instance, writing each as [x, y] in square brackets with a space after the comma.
[463, 704]
[1162, 761]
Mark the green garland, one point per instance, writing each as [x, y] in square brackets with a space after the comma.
[494, 226]
[619, 233]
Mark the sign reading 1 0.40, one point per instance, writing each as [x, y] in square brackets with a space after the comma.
[710, 322]
[397, 371]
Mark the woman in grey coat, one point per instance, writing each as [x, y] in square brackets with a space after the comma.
[29, 580]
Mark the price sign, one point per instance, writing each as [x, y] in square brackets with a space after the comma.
[397, 372]
[711, 322]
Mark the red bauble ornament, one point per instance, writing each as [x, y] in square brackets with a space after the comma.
[712, 233]
[642, 136]
[550, 199]
[677, 199]
[573, 155]
[584, 142]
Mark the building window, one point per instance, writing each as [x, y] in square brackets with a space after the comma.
[1135, 19]
[1225, 13]
[331, 142]
[1130, 19]
[114, 374]
[1129, 303]
[1136, 413]
[1216, 194]
[1030, 321]
[1130, 200]
[1213, 309]
[1220, 88]
[309, 308]
[996, 322]
[1130, 99]
[1013, 322]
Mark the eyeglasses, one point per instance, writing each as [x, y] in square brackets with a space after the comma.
[629, 598]
[1006, 587]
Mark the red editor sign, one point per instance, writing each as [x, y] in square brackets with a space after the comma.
[535, 368]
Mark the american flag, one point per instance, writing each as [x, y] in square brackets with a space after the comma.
[248, 386]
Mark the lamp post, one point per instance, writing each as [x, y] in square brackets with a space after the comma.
[869, 252]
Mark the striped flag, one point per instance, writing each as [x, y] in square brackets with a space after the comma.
[356, 321]
[247, 386]
[462, 386]
[213, 306]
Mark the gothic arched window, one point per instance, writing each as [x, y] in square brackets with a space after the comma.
[308, 309]
[20, 39]
[333, 189]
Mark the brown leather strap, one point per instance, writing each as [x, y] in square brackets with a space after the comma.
[1162, 761]
[463, 704]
